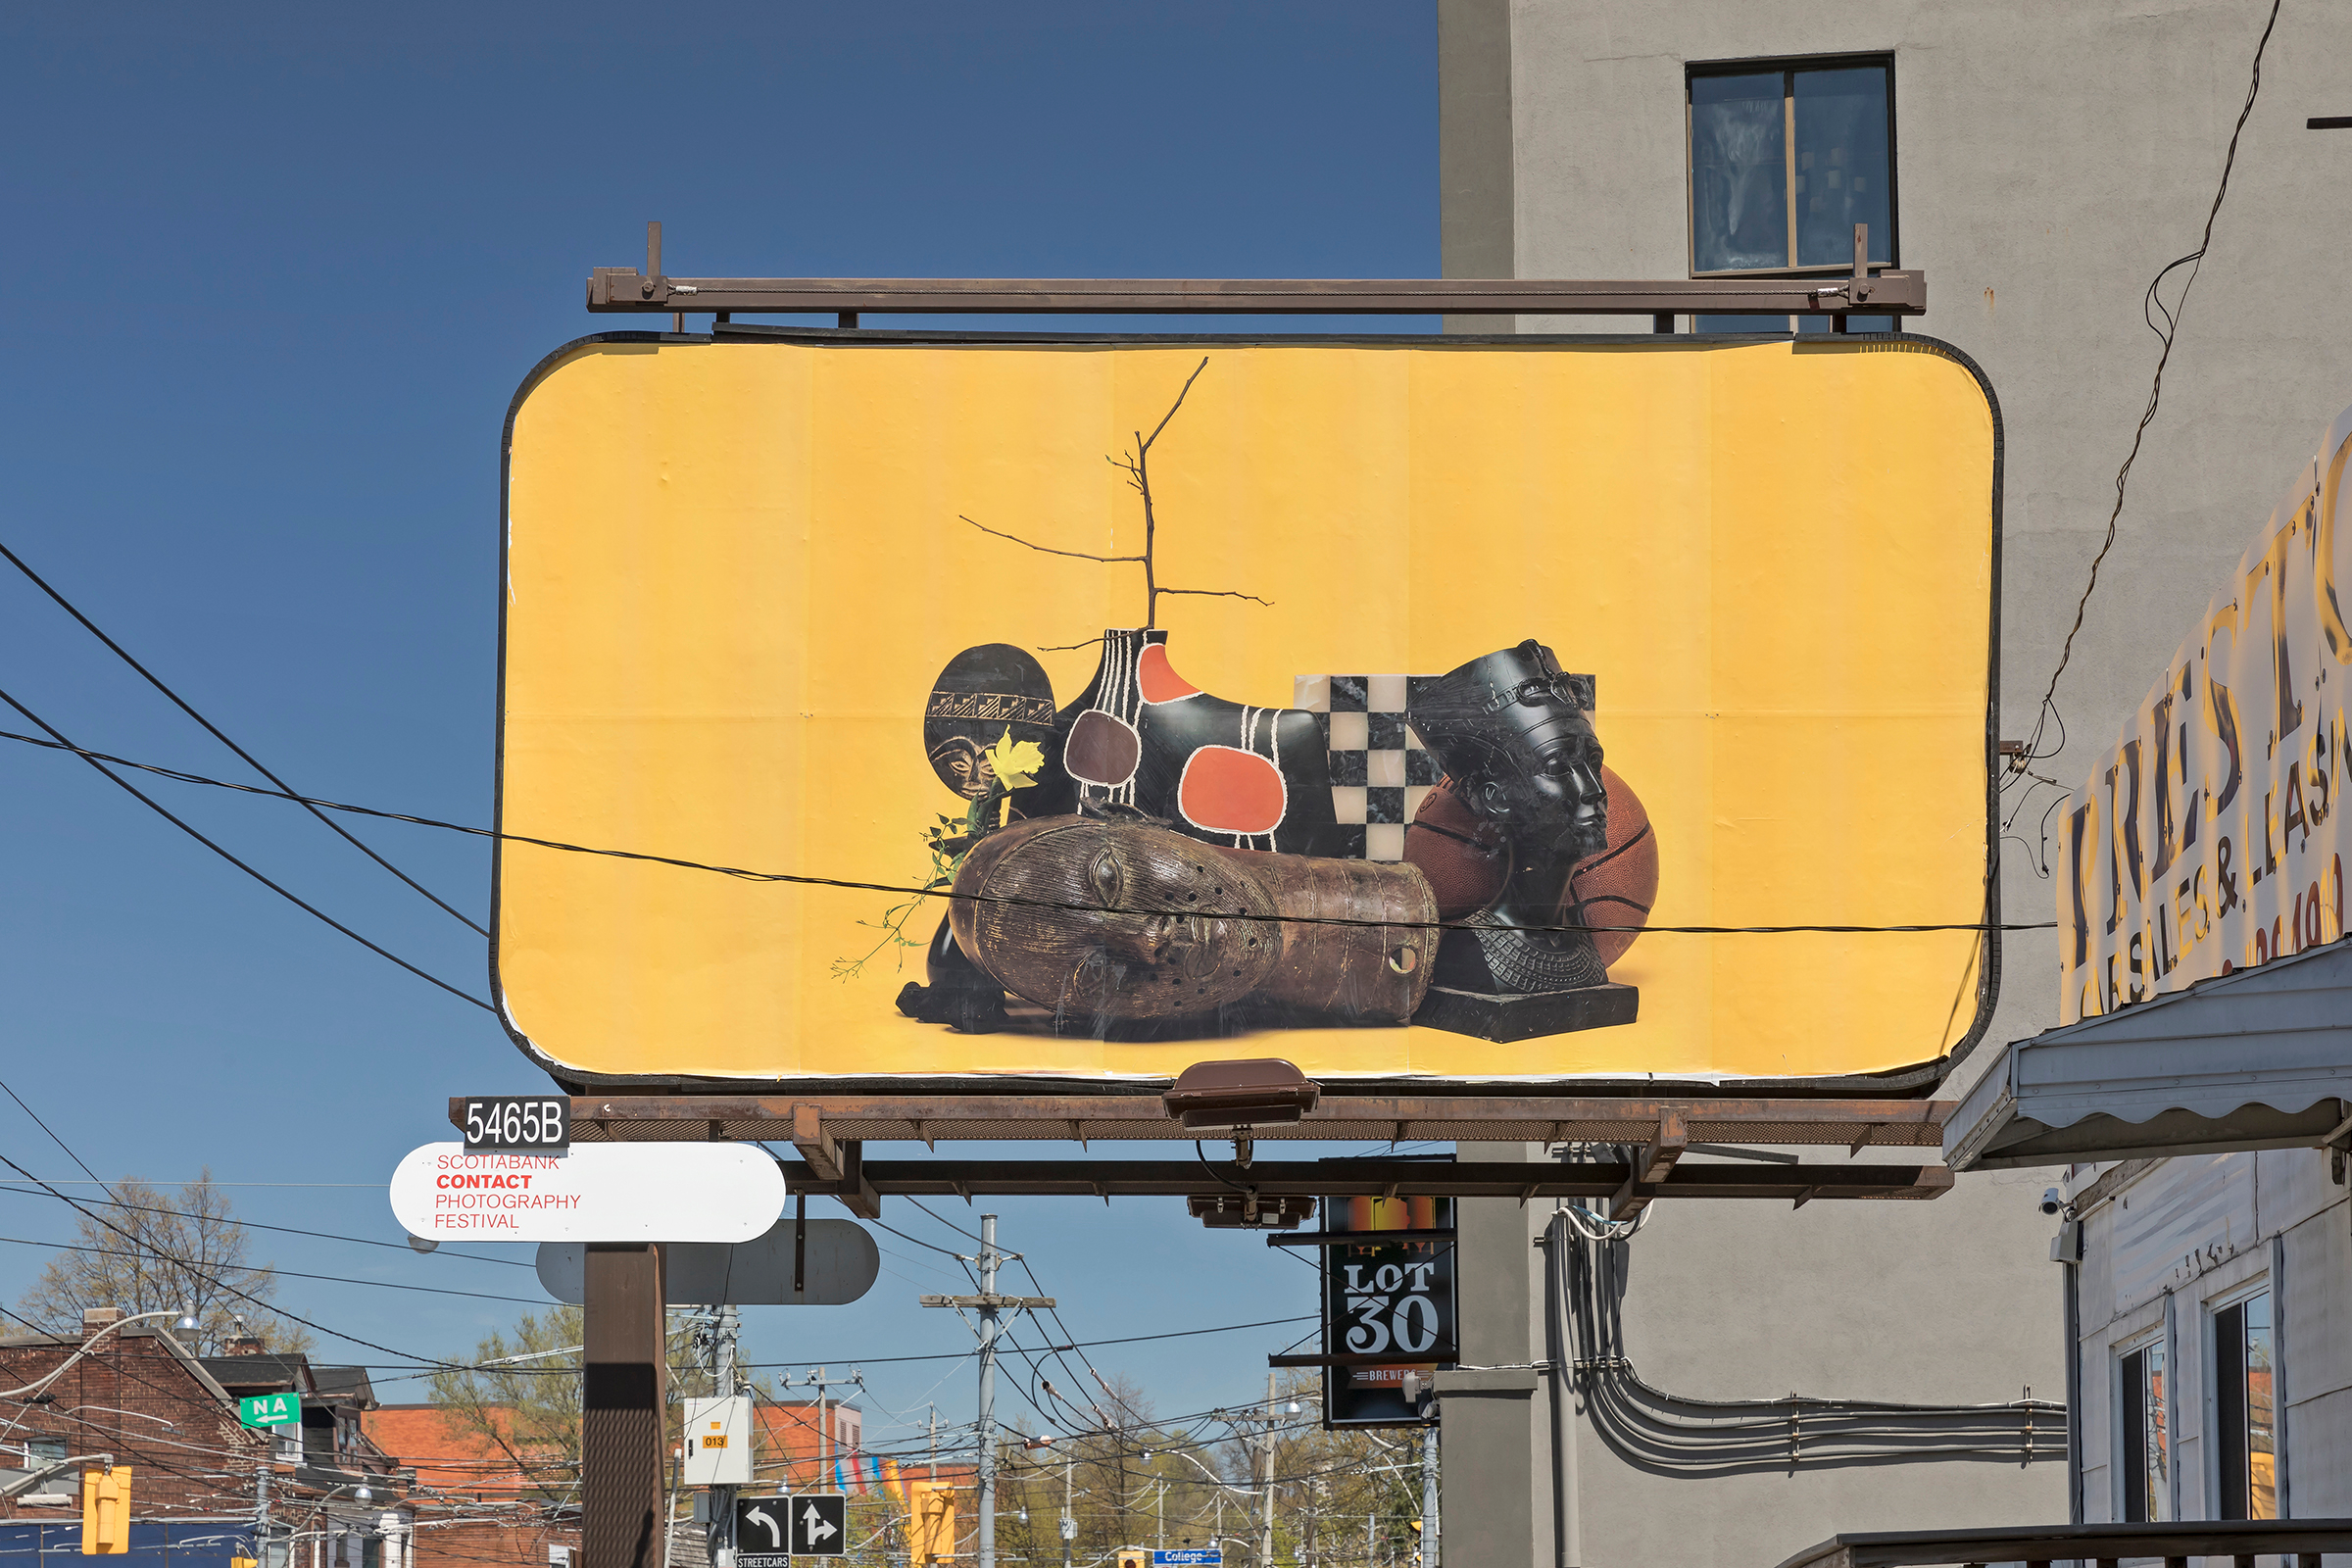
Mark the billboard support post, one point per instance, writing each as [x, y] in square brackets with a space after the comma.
[623, 1508]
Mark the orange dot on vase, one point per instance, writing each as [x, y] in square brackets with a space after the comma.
[1226, 789]
[1155, 680]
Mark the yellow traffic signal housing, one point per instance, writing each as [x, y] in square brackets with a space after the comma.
[931, 1521]
[106, 1511]
[1135, 1557]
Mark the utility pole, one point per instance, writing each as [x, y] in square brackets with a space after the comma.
[1428, 1495]
[1265, 1538]
[1069, 1520]
[988, 1303]
[260, 1501]
[824, 1426]
[725, 1383]
[988, 1391]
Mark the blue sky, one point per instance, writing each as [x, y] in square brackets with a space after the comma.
[275, 272]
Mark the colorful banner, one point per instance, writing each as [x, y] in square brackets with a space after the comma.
[1018, 713]
[2206, 841]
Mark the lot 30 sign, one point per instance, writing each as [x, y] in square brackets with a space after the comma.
[1392, 1297]
[2208, 838]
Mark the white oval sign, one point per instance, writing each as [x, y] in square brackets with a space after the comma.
[597, 1193]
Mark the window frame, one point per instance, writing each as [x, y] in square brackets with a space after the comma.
[2155, 1509]
[2210, 1358]
[1787, 65]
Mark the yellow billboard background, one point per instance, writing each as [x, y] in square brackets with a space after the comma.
[735, 568]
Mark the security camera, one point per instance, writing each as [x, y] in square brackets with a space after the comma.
[2051, 1201]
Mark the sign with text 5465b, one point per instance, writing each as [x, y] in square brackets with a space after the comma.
[597, 1193]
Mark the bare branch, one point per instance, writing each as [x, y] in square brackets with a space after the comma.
[1220, 592]
[1178, 404]
[1076, 555]
[1067, 648]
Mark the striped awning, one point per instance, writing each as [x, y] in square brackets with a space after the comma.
[2261, 1058]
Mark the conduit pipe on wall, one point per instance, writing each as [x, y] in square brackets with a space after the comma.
[1670, 1434]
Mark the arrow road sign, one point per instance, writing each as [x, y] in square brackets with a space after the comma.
[269, 1409]
[820, 1524]
[761, 1533]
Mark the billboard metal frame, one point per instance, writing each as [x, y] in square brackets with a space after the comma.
[1885, 1107]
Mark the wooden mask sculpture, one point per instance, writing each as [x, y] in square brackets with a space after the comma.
[1515, 735]
[1116, 921]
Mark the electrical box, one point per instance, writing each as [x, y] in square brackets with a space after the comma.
[718, 1441]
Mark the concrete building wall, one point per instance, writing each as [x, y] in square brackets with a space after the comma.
[2050, 160]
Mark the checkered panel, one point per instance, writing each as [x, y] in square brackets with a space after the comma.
[1378, 769]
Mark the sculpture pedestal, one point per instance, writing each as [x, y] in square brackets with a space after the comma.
[1506, 1017]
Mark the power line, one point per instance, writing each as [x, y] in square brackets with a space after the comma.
[212, 729]
[52, 1132]
[257, 1225]
[796, 879]
[220, 1284]
[2150, 307]
[152, 804]
[293, 1274]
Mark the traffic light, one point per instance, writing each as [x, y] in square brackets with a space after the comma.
[931, 1521]
[106, 1511]
[1134, 1557]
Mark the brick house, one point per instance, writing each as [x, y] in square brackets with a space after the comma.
[479, 1502]
[134, 1393]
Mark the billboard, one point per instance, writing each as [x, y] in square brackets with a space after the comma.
[2205, 840]
[1051, 712]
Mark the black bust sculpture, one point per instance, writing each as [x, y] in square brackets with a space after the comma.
[1514, 733]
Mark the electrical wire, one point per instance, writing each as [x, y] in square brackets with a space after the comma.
[283, 1230]
[2151, 306]
[796, 879]
[214, 730]
[220, 1285]
[296, 1274]
[161, 810]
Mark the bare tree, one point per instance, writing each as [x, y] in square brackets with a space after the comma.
[520, 1397]
[1137, 464]
[152, 1250]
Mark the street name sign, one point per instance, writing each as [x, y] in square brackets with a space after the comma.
[269, 1410]
[763, 1533]
[596, 1192]
[820, 1524]
[834, 1262]
[1186, 1557]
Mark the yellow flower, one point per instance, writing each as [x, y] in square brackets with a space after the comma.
[1017, 763]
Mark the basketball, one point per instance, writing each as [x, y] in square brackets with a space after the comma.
[1465, 858]
[1617, 886]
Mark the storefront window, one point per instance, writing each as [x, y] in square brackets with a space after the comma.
[2245, 1443]
[2147, 1457]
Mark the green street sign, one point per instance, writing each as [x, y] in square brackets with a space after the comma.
[269, 1409]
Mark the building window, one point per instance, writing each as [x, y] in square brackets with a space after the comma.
[2148, 1444]
[1786, 158]
[2244, 1443]
[40, 1451]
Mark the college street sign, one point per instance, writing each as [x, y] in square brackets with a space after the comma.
[596, 1192]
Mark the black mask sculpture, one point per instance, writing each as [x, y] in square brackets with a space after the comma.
[1515, 735]
[984, 693]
